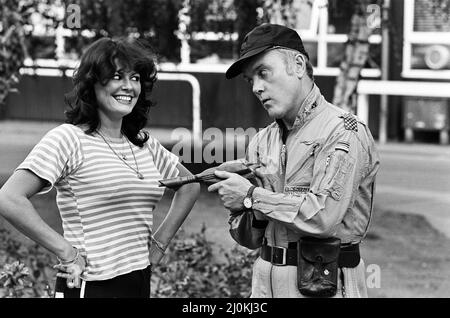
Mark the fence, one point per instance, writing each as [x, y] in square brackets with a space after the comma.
[399, 88]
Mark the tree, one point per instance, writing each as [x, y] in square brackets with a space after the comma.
[164, 26]
[279, 12]
[247, 18]
[153, 20]
[12, 44]
[356, 54]
[14, 37]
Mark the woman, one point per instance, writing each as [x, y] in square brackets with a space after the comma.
[105, 169]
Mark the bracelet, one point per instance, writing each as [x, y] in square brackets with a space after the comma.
[158, 244]
[73, 261]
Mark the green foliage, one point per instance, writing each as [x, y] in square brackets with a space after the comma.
[12, 51]
[15, 38]
[191, 270]
[25, 271]
[15, 279]
[222, 17]
[247, 17]
[212, 16]
[153, 20]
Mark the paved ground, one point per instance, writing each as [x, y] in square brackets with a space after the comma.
[413, 178]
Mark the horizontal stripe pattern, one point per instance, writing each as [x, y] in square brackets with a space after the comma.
[106, 210]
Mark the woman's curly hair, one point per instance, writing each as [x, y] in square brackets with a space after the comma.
[98, 65]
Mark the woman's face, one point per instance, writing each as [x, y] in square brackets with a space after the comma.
[119, 95]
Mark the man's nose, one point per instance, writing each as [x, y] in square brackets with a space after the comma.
[258, 87]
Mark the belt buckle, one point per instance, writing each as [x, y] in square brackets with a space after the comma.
[284, 253]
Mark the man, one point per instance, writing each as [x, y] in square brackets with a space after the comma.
[316, 182]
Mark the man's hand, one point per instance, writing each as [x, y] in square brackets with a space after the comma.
[232, 190]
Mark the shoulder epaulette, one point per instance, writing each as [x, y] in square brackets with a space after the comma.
[350, 122]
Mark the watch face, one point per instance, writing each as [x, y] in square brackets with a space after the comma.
[248, 203]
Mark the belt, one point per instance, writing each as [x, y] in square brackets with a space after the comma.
[280, 256]
[349, 255]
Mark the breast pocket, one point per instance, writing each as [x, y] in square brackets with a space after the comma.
[301, 163]
[269, 162]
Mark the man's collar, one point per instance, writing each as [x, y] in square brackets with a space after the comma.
[308, 106]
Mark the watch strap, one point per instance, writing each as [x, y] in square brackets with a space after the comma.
[248, 200]
[250, 192]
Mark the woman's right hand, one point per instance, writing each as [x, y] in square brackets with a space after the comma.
[72, 270]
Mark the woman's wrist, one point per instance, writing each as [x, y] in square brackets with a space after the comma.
[159, 245]
[66, 253]
[69, 257]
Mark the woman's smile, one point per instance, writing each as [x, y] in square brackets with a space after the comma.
[123, 99]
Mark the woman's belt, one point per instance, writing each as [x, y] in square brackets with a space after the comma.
[349, 255]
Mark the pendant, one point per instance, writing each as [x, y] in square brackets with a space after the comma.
[140, 176]
[124, 157]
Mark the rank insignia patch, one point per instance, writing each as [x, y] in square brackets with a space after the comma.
[343, 145]
[350, 122]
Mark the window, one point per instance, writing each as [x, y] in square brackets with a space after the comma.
[327, 34]
[426, 51]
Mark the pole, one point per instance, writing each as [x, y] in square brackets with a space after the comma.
[182, 33]
[384, 71]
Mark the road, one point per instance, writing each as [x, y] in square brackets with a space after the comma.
[416, 179]
[413, 178]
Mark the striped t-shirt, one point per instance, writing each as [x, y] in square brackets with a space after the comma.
[106, 210]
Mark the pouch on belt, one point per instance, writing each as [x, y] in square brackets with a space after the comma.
[318, 266]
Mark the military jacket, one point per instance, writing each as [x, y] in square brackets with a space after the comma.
[323, 175]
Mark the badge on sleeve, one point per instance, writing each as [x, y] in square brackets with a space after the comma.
[350, 122]
[343, 145]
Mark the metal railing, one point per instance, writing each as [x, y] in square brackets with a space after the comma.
[162, 76]
[398, 88]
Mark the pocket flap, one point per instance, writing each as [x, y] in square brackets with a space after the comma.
[320, 250]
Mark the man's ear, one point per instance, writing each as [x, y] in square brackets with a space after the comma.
[300, 65]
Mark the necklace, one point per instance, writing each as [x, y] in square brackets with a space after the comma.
[122, 145]
[138, 174]
[124, 156]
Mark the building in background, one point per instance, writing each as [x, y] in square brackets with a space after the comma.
[419, 51]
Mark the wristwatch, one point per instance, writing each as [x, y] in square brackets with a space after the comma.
[248, 200]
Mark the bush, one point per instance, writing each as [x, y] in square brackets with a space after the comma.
[25, 271]
[189, 269]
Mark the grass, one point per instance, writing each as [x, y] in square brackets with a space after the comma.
[413, 257]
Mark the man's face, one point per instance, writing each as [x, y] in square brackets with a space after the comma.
[278, 91]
